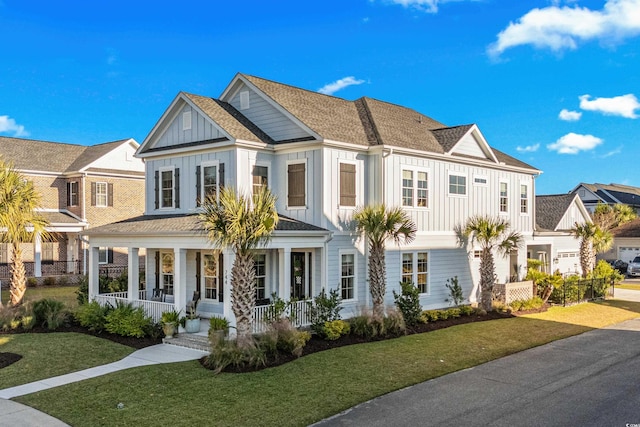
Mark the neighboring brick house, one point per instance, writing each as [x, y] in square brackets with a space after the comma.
[81, 187]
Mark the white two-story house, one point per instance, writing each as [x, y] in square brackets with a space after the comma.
[322, 156]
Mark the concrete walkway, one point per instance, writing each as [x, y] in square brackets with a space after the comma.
[16, 414]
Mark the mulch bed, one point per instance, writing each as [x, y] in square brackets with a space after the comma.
[7, 359]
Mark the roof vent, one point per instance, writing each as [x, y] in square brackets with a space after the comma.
[244, 100]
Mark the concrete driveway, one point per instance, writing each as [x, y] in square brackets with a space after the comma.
[591, 379]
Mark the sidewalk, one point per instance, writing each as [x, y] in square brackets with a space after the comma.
[16, 414]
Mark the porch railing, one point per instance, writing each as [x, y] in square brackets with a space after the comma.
[153, 309]
[298, 312]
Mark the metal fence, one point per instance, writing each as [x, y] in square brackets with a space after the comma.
[575, 290]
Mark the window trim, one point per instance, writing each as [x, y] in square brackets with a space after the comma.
[207, 164]
[261, 164]
[203, 284]
[106, 255]
[466, 185]
[76, 193]
[266, 273]
[187, 120]
[172, 274]
[342, 252]
[355, 164]
[172, 169]
[306, 184]
[106, 194]
[415, 171]
[506, 197]
[414, 268]
[528, 204]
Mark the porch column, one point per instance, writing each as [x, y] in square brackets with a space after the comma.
[37, 256]
[229, 258]
[133, 267]
[70, 257]
[94, 287]
[284, 261]
[180, 279]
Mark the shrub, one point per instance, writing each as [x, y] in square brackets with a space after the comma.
[63, 280]
[49, 281]
[278, 309]
[430, 315]
[393, 324]
[128, 321]
[455, 291]
[120, 283]
[369, 326]
[466, 310]
[82, 293]
[408, 302]
[32, 282]
[28, 322]
[289, 339]
[93, 316]
[50, 313]
[529, 304]
[453, 313]
[227, 353]
[335, 329]
[324, 309]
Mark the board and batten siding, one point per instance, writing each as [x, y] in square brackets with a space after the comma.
[264, 115]
[469, 146]
[247, 160]
[201, 129]
[446, 211]
[335, 248]
[573, 215]
[187, 165]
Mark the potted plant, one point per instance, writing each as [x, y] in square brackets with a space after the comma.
[192, 320]
[170, 321]
[218, 329]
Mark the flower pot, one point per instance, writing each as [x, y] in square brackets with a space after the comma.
[192, 325]
[169, 330]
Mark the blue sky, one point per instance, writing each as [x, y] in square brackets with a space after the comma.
[553, 83]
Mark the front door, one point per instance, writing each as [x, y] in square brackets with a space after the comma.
[298, 275]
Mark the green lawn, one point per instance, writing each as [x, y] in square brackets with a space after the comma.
[630, 286]
[66, 294]
[315, 386]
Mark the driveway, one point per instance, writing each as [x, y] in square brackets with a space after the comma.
[591, 379]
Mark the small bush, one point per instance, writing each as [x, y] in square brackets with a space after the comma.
[466, 310]
[49, 281]
[455, 291]
[408, 302]
[324, 309]
[289, 339]
[369, 326]
[28, 322]
[82, 293]
[393, 324]
[63, 281]
[335, 329]
[529, 304]
[431, 315]
[32, 282]
[93, 316]
[453, 313]
[500, 307]
[128, 321]
[227, 353]
[50, 313]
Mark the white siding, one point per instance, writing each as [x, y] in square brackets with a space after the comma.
[362, 298]
[121, 156]
[469, 146]
[273, 122]
[573, 215]
[201, 129]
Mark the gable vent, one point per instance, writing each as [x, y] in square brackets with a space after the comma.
[244, 100]
[186, 120]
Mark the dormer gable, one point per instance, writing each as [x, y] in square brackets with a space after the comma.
[465, 140]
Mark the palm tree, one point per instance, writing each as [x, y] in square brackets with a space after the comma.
[608, 217]
[380, 223]
[593, 240]
[490, 234]
[241, 223]
[19, 223]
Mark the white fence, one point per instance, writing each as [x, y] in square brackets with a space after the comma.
[153, 309]
[299, 317]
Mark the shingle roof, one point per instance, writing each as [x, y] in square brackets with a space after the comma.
[29, 154]
[630, 229]
[449, 137]
[181, 224]
[615, 193]
[550, 210]
[57, 217]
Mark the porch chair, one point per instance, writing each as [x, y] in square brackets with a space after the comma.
[193, 304]
[157, 295]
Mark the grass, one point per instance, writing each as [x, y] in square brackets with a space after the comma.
[66, 294]
[631, 287]
[315, 386]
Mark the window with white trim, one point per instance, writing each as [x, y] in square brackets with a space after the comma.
[415, 188]
[167, 272]
[415, 269]
[504, 197]
[73, 193]
[457, 184]
[101, 194]
[480, 180]
[347, 275]
[297, 185]
[103, 255]
[524, 199]
[209, 181]
[260, 178]
[166, 189]
[260, 267]
[210, 276]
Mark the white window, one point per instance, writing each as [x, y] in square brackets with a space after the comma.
[167, 272]
[477, 254]
[415, 269]
[297, 185]
[457, 185]
[186, 120]
[209, 181]
[210, 276]
[347, 276]
[73, 193]
[260, 178]
[524, 199]
[260, 266]
[166, 189]
[415, 188]
[101, 194]
[504, 197]
[103, 255]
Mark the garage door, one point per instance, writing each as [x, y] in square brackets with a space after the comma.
[628, 253]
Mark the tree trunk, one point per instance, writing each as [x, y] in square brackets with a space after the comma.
[243, 297]
[18, 285]
[377, 279]
[487, 279]
[587, 256]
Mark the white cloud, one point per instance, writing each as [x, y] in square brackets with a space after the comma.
[558, 28]
[429, 6]
[625, 105]
[331, 88]
[569, 116]
[612, 153]
[573, 143]
[9, 125]
[528, 149]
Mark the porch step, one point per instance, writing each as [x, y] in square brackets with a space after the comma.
[197, 342]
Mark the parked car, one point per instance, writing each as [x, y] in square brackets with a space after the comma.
[633, 268]
[618, 264]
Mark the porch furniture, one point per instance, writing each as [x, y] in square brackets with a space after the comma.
[191, 305]
[157, 295]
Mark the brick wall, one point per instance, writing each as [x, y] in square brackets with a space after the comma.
[128, 200]
[53, 191]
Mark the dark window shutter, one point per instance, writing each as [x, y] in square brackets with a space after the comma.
[198, 189]
[93, 194]
[347, 184]
[221, 278]
[157, 268]
[296, 184]
[198, 271]
[68, 194]
[110, 256]
[109, 194]
[176, 185]
[221, 175]
[157, 188]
